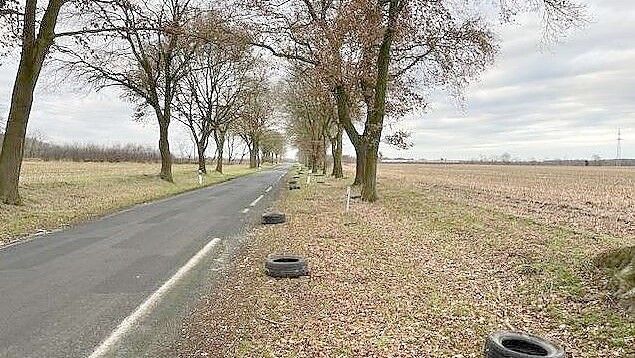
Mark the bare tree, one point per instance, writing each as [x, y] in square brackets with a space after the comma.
[147, 55]
[209, 100]
[311, 114]
[255, 116]
[30, 25]
[272, 146]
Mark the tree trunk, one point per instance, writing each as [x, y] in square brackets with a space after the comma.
[242, 157]
[257, 152]
[15, 133]
[253, 156]
[219, 136]
[343, 114]
[376, 119]
[164, 149]
[201, 157]
[360, 163]
[230, 150]
[369, 184]
[324, 164]
[35, 48]
[336, 151]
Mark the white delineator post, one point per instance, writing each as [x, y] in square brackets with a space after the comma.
[348, 198]
[308, 179]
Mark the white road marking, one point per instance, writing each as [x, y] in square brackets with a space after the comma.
[253, 203]
[150, 303]
[245, 210]
[268, 189]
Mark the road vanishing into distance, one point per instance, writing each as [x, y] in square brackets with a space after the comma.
[82, 291]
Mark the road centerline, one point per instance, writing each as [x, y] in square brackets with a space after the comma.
[253, 203]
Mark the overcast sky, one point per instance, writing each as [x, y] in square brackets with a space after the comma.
[566, 101]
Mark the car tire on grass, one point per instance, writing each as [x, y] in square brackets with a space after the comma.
[273, 218]
[520, 345]
[286, 266]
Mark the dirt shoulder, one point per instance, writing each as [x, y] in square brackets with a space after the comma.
[418, 274]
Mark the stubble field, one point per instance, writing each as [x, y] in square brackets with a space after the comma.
[448, 255]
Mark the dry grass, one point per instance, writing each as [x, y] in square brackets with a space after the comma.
[56, 194]
[424, 272]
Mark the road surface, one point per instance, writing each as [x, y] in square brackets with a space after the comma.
[62, 295]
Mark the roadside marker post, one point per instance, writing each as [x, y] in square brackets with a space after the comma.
[308, 179]
[200, 177]
[348, 198]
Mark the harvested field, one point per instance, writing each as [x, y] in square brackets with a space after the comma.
[449, 254]
[56, 194]
[596, 199]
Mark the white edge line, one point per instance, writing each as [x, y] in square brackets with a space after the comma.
[253, 203]
[245, 210]
[150, 303]
[268, 189]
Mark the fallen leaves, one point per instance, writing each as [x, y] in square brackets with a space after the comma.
[428, 271]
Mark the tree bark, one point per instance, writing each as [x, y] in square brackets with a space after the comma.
[343, 114]
[202, 166]
[164, 149]
[230, 151]
[219, 137]
[324, 164]
[15, 133]
[253, 156]
[336, 151]
[360, 163]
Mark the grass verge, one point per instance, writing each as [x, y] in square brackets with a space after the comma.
[419, 274]
[57, 194]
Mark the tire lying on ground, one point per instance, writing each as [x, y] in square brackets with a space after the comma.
[520, 345]
[286, 266]
[294, 187]
[273, 218]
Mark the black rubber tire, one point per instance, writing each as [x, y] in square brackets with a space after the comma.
[286, 266]
[294, 187]
[273, 218]
[520, 345]
[293, 181]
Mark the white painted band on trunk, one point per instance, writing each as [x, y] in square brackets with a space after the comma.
[150, 303]
[253, 203]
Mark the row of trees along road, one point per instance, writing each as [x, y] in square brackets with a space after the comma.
[371, 59]
[377, 58]
[161, 53]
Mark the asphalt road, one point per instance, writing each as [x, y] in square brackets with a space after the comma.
[63, 294]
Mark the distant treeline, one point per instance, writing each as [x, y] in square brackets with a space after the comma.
[36, 148]
[573, 162]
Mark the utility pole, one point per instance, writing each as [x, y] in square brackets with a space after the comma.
[618, 160]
